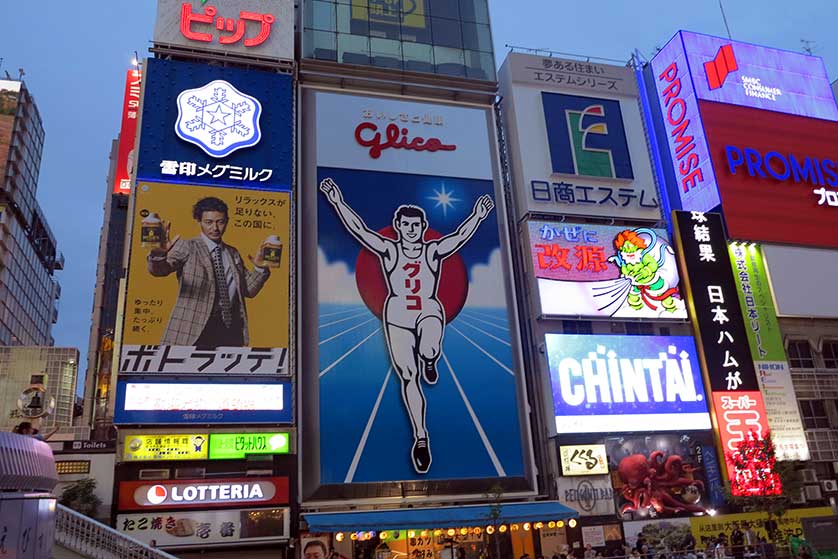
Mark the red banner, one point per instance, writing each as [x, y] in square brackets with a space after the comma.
[125, 159]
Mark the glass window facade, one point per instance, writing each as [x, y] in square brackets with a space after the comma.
[448, 37]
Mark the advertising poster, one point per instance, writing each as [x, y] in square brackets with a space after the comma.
[216, 126]
[766, 341]
[126, 156]
[576, 139]
[641, 383]
[777, 530]
[151, 402]
[170, 530]
[659, 475]
[258, 28]
[590, 495]
[9, 92]
[672, 533]
[207, 282]
[415, 349]
[583, 460]
[586, 270]
[388, 19]
[164, 446]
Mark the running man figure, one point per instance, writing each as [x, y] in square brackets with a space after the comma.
[413, 318]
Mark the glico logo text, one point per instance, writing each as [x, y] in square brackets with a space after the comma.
[368, 136]
[586, 136]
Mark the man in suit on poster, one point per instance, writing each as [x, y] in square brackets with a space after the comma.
[213, 282]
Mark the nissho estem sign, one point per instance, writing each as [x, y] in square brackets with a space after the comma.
[230, 446]
[605, 383]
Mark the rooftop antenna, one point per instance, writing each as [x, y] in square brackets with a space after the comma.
[808, 46]
[20, 74]
[724, 18]
[1, 62]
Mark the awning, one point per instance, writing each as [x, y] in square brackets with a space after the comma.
[437, 517]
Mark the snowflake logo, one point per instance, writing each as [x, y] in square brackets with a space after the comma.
[218, 118]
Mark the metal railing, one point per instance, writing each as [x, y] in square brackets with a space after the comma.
[95, 540]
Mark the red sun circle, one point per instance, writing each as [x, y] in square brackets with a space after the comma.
[453, 284]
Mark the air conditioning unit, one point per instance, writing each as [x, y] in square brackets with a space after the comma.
[813, 493]
[809, 476]
[829, 485]
[157, 473]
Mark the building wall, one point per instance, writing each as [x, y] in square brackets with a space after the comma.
[18, 364]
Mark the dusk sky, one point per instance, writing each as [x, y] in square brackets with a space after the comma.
[75, 55]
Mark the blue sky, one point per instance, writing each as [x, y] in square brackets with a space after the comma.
[75, 55]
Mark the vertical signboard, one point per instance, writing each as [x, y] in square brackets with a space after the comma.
[766, 342]
[416, 354]
[126, 157]
[576, 139]
[9, 93]
[720, 328]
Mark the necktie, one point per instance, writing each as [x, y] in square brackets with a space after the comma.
[221, 287]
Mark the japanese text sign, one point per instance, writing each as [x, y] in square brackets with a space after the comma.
[225, 446]
[165, 446]
[645, 383]
[577, 151]
[717, 316]
[192, 528]
[605, 271]
[208, 125]
[255, 28]
[152, 402]
[583, 460]
[126, 156]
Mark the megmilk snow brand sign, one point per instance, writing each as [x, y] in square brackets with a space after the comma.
[603, 270]
[583, 460]
[628, 383]
[577, 151]
[206, 493]
[207, 125]
[126, 156]
[254, 28]
[410, 267]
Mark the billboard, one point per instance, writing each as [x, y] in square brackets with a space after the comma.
[252, 28]
[216, 126]
[590, 495]
[415, 350]
[230, 446]
[9, 94]
[576, 139]
[208, 282]
[586, 270]
[583, 460]
[797, 294]
[165, 446]
[126, 156]
[661, 475]
[386, 19]
[632, 383]
[775, 168]
[161, 401]
[202, 493]
[193, 528]
[768, 350]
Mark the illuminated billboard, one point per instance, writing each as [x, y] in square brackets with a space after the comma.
[576, 139]
[410, 266]
[607, 383]
[228, 446]
[216, 126]
[165, 446]
[202, 493]
[148, 402]
[174, 321]
[605, 271]
[126, 156]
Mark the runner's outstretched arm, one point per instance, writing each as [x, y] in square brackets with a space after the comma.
[450, 244]
[352, 221]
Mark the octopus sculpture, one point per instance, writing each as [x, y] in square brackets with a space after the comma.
[649, 484]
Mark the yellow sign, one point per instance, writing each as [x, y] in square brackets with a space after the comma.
[706, 529]
[186, 242]
[190, 446]
[409, 13]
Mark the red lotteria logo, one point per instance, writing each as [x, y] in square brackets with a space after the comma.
[720, 67]
[156, 494]
[368, 135]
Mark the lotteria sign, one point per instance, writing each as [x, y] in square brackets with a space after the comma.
[202, 493]
[626, 383]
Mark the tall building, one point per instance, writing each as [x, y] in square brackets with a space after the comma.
[29, 258]
[52, 368]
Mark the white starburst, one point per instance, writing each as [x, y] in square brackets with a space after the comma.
[443, 198]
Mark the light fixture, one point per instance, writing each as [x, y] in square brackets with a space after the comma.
[560, 524]
[383, 535]
[711, 512]
[463, 531]
[490, 529]
[353, 536]
[477, 531]
[526, 526]
[572, 523]
[339, 536]
[451, 531]
[502, 528]
[424, 533]
[411, 534]
[551, 524]
[514, 527]
[538, 525]
[437, 533]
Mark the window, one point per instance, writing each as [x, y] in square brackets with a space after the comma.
[639, 329]
[830, 354]
[800, 355]
[578, 326]
[814, 414]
